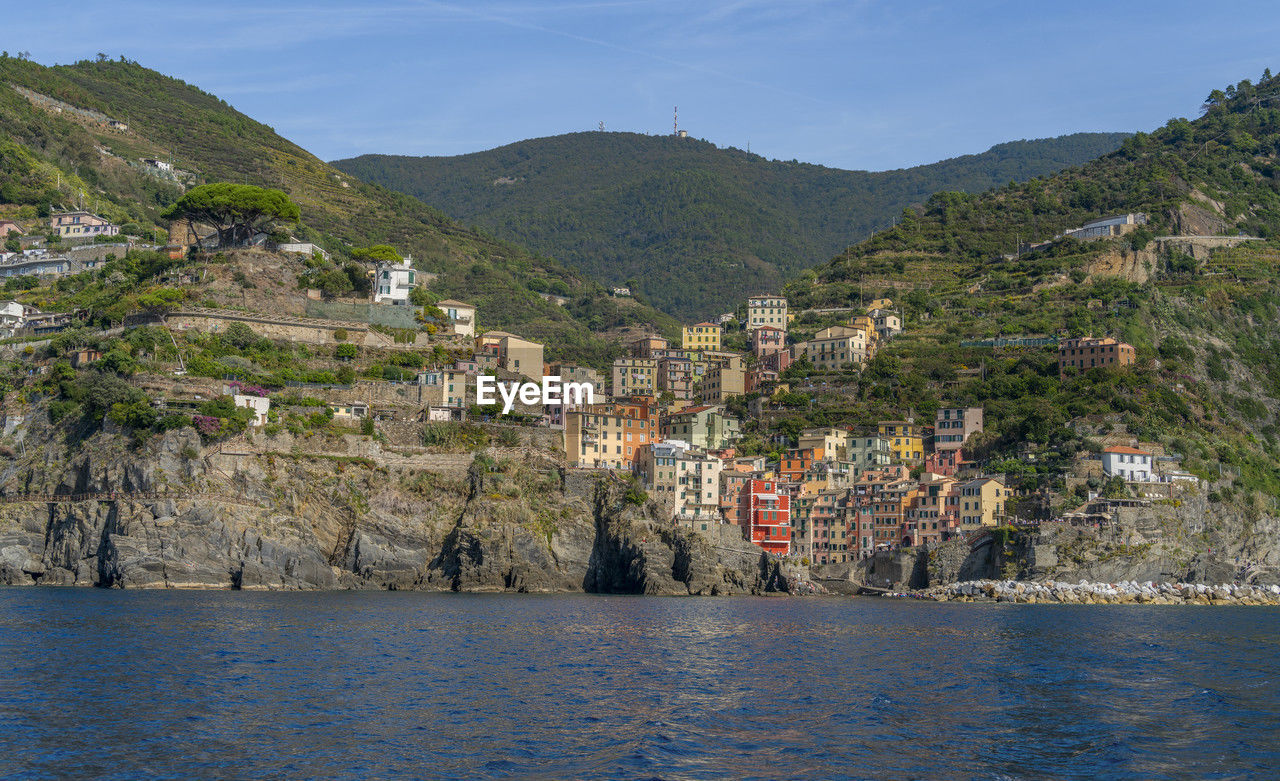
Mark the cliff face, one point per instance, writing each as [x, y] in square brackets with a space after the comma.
[1188, 540]
[98, 512]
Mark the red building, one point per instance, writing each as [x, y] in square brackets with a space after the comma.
[767, 513]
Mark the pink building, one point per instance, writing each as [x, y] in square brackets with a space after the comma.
[767, 339]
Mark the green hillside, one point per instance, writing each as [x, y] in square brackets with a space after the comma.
[53, 159]
[694, 227]
[1205, 320]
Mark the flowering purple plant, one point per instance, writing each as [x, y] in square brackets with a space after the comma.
[206, 424]
[248, 390]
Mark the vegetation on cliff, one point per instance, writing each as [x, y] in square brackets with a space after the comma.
[56, 157]
[1202, 318]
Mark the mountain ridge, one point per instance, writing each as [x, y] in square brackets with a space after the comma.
[693, 225]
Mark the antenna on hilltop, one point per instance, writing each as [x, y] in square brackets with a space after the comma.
[675, 121]
[601, 126]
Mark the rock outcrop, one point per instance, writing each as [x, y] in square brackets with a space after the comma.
[172, 514]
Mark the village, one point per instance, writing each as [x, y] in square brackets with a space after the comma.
[669, 416]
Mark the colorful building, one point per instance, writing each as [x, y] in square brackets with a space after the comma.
[833, 348]
[982, 503]
[608, 436]
[81, 225]
[1088, 353]
[767, 311]
[502, 350]
[766, 511]
[953, 426]
[703, 336]
[906, 439]
[768, 339]
[635, 376]
[705, 426]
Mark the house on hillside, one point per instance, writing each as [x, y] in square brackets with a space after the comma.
[462, 315]
[501, 350]
[303, 248]
[9, 226]
[82, 225]
[393, 282]
[887, 324]
[13, 315]
[1088, 353]
[1107, 227]
[1130, 463]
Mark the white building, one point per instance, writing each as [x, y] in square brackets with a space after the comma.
[887, 324]
[303, 248]
[259, 404]
[13, 315]
[1132, 464]
[392, 283]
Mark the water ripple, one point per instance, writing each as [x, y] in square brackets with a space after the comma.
[221, 684]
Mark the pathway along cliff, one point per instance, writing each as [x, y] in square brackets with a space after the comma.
[279, 515]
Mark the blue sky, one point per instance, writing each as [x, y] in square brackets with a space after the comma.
[855, 84]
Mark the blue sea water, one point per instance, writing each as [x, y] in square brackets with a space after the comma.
[120, 684]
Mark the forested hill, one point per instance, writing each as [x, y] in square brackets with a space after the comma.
[58, 150]
[1196, 291]
[695, 227]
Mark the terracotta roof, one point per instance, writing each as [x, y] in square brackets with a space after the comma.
[1126, 450]
[713, 325]
[688, 410]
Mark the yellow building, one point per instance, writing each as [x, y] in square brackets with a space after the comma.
[703, 336]
[608, 436]
[982, 503]
[499, 349]
[832, 348]
[906, 439]
[635, 377]
[880, 303]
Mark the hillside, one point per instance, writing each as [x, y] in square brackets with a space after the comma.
[62, 155]
[1202, 315]
[692, 226]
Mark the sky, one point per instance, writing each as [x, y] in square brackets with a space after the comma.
[859, 84]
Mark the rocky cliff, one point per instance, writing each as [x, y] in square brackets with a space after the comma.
[286, 514]
[1187, 540]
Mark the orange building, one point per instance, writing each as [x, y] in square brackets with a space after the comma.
[797, 461]
[1088, 353]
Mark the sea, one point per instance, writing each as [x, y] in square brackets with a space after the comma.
[225, 684]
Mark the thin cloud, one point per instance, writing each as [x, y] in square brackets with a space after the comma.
[523, 25]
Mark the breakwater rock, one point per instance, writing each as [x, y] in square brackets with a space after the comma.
[1085, 593]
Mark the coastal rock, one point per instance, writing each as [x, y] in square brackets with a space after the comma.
[174, 515]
